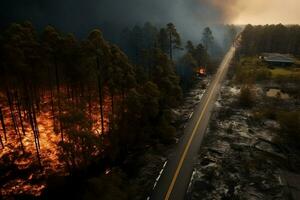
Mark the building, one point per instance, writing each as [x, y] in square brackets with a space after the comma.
[277, 59]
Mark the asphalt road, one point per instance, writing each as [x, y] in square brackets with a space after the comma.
[174, 180]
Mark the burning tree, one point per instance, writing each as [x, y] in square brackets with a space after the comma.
[81, 144]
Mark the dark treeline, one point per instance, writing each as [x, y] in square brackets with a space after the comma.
[72, 75]
[139, 42]
[56, 73]
[91, 83]
[53, 72]
[271, 38]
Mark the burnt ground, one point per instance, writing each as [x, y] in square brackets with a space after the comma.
[240, 157]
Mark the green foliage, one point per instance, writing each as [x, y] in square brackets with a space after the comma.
[166, 131]
[164, 76]
[151, 99]
[270, 38]
[190, 62]
[174, 39]
[163, 40]
[250, 70]
[186, 68]
[286, 72]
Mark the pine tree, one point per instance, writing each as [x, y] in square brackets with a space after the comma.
[174, 39]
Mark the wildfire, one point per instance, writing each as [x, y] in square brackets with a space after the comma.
[201, 71]
[26, 163]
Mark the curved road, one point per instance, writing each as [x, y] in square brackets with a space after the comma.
[175, 178]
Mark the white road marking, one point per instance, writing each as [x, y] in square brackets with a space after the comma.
[157, 179]
[165, 164]
[191, 115]
[219, 74]
[161, 171]
[154, 184]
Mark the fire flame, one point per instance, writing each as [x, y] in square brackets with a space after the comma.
[49, 149]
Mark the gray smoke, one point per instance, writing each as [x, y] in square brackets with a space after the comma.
[79, 16]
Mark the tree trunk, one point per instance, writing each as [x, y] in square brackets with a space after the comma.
[1, 142]
[100, 96]
[20, 114]
[56, 75]
[122, 105]
[29, 105]
[37, 132]
[170, 46]
[16, 128]
[51, 97]
[36, 98]
[52, 108]
[112, 112]
[3, 124]
[31, 120]
[58, 97]
[90, 104]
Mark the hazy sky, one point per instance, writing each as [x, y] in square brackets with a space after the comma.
[190, 16]
[265, 11]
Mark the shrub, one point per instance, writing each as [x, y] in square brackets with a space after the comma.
[246, 98]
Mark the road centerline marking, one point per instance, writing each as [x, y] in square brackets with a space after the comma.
[220, 73]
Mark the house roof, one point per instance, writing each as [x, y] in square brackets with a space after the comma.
[277, 57]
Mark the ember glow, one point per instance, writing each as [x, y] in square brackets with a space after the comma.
[33, 180]
[201, 71]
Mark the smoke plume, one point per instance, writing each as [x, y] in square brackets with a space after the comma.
[190, 16]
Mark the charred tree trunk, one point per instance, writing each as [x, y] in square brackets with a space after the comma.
[36, 97]
[58, 97]
[1, 118]
[121, 116]
[52, 108]
[37, 132]
[56, 76]
[15, 125]
[1, 141]
[112, 112]
[3, 124]
[29, 106]
[90, 104]
[73, 97]
[100, 90]
[36, 140]
[19, 113]
[51, 97]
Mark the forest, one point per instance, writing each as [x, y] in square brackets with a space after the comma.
[271, 38]
[77, 108]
